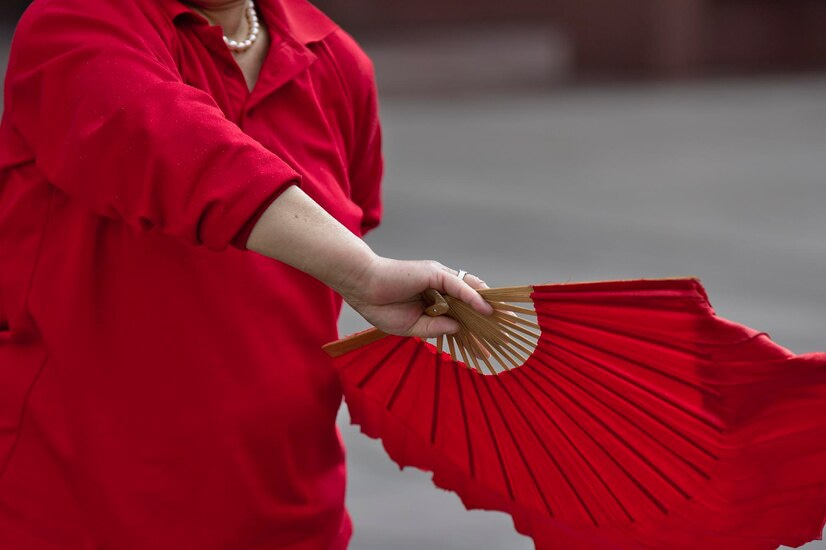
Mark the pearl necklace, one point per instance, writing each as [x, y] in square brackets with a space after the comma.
[255, 29]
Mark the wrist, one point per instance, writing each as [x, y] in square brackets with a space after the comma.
[358, 271]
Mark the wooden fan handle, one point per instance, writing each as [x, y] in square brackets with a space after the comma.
[354, 341]
[437, 303]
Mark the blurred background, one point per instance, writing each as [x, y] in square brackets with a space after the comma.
[559, 140]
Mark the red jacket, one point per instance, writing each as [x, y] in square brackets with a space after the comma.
[160, 386]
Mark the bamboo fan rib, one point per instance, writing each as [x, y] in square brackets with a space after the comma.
[497, 343]
[605, 415]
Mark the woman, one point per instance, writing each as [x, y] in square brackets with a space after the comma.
[182, 188]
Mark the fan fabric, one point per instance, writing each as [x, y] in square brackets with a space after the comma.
[641, 420]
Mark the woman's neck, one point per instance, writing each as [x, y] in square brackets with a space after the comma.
[230, 15]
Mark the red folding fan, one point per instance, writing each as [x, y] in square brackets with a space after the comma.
[626, 415]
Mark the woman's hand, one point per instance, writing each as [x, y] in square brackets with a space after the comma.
[388, 294]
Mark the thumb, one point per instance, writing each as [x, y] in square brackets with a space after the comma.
[432, 327]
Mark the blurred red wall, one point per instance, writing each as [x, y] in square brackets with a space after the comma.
[623, 38]
[627, 38]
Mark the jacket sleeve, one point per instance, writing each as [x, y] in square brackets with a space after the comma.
[112, 124]
[367, 165]
[365, 151]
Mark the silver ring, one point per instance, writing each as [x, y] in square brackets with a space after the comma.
[462, 274]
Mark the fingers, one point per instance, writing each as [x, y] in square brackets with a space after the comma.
[462, 290]
[471, 279]
[475, 282]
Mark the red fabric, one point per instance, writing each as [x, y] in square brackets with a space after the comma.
[642, 420]
[159, 387]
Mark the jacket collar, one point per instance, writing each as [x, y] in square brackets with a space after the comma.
[297, 19]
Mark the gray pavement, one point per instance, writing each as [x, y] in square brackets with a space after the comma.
[722, 180]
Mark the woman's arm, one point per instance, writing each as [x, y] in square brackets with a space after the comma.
[297, 231]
